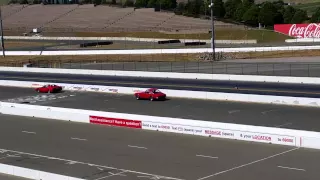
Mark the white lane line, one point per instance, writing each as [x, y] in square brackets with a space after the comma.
[291, 168]
[94, 165]
[29, 132]
[265, 112]
[79, 139]
[4, 157]
[233, 111]
[14, 155]
[139, 147]
[112, 174]
[199, 155]
[244, 165]
[284, 124]
[150, 177]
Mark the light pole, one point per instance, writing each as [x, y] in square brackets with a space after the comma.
[2, 40]
[212, 32]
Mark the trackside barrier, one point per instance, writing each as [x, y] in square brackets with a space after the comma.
[222, 77]
[303, 40]
[159, 51]
[123, 39]
[271, 135]
[251, 98]
[32, 174]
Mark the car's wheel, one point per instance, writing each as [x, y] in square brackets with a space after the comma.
[137, 97]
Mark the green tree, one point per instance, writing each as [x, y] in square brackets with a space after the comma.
[267, 14]
[231, 7]
[218, 8]
[205, 10]
[316, 16]
[97, 2]
[168, 4]
[299, 16]
[141, 3]
[24, 2]
[288, 14]
[246, 4]
[152, 3]
[128, 3]
[239, 12]
[250, 17]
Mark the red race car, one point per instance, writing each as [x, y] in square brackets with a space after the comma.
[151, 94]
[50, 88]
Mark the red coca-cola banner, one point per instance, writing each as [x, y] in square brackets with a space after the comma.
[299, 30]
[115, 122]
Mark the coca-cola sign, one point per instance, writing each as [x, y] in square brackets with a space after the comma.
[299, 30]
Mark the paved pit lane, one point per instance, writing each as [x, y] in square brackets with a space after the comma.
[301, 118]
[97, 152]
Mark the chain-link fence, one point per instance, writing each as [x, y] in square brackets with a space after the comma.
[209, 67]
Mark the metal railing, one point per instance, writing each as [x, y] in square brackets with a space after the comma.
[209, 67]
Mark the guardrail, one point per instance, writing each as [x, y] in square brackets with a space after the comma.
[302, 40]
[125, 39]
[32, 174]
[159, 51]
[222, 77]
[280, 136]
[218, 96]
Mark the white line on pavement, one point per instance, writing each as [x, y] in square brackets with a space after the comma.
[94, 165]
[29, 132]
[291, 168]
[139, 147]
[79, 139]
[199, 155]
[244, 165]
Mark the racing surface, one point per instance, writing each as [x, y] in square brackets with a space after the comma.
[280, 89]
[9, 177]
[12, 92]
[102, 152]
[301, 118]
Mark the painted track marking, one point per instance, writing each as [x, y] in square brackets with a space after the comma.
[284, 124]
[29, 132]
[297, 169]
[244, 165]
[79, 139]
[112, 174]
[199, 155]
[93, 165]
[139, 147]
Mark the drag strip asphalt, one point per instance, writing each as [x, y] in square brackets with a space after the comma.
[9, 177]
[301, 118]
[97, 152]
[279, 89]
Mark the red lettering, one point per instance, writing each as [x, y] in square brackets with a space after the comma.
[311, 30]
[115, 122]
[261, 138]
[287, 140]
[213, 132]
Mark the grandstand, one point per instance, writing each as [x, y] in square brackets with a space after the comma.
[82, 18]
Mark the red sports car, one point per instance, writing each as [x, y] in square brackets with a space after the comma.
[151, 94]
[50, 88]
